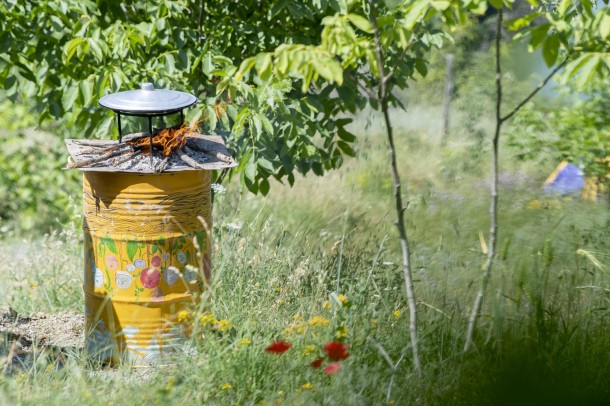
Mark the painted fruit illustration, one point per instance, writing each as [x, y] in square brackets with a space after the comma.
[156, 261]
[139, 263]
[130, 267]
[171, 275]
[123, 280]
[150, 277]
[111, 262]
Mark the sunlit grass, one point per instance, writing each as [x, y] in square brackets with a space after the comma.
[281, 262]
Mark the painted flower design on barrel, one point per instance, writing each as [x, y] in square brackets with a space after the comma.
[98, 278]
[123, 280]
[181, 257]
[171, 275]
[190, 274]
[130, 267]
[111, 262]
[150, 278]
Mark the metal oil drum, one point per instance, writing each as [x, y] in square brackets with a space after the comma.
[140, 232]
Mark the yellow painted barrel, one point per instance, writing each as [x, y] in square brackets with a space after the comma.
[142, 265]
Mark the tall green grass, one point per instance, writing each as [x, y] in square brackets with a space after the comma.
[543, 337]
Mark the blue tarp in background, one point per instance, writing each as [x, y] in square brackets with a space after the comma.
[566, 179]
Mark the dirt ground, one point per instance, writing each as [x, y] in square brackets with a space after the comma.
[23, 339]
[61, 330]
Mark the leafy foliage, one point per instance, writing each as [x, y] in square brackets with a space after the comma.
[578, 134]
[66, 54]
[35, 191]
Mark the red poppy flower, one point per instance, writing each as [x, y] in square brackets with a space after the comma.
[317, 363]
[278, 347]
[336, 351]
[332, 368]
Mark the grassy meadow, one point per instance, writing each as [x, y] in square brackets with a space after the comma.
[321, 262]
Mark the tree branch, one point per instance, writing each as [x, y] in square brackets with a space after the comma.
[493, 209]
[402, 55]
[537, 89]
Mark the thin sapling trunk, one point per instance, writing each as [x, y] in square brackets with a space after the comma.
[400, 209]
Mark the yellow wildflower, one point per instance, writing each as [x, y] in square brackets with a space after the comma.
[342, 332]
[226, 386]
[326, 305]
[396, 313]
[170, 383]
[223, 325]
[318, 321]
[244, 341]
[183, 316]
[342, 298]
[308, 350]
[207, 319]
[297, 317]
[534, 204]
[307, 386]
[299, 328]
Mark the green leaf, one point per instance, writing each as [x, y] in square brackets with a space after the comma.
[520, 23]
[604, 26]
[587, 71]
[550, 50]
[206, 65]
[440, 4]
[109, 242]
[212, 119]
[86, 90]
[250, 171]
[498, 4]
[345, 147]
[265, 164]
[346, 135]
[95, 49]
[245, 67]
[421, 67]
[538, 36]
[341, 122]
[361, 23]
[69, 97]
[70, 48]
[170, 63]
[132, 249]
[415, 11]
[264, 187]
[263, 65]
[339, 5]
[266, 124]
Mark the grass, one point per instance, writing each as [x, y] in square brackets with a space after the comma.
[544, 337]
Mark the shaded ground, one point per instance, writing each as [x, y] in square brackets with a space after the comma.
[22, 339]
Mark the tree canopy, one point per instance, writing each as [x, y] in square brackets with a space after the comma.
[280, 76]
